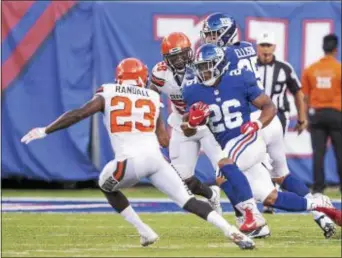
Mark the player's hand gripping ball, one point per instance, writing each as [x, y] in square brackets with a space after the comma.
[198, 114]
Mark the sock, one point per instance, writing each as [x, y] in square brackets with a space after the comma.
[291, 202]
[316, 214]
[133, 218]
[248, 204]
[239, 183]
[219, 222]
[231, 195]
[295, 185]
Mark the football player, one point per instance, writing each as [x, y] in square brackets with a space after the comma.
[130, 115]
[168, 78]
[224, 96]
[221, 29]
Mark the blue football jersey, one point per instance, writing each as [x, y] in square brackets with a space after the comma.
[229, 102]
[243, 55]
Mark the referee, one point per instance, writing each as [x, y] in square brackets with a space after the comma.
[322, 87]
[278, 77]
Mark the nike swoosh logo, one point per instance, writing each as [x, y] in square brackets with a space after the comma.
[196, 117]
[250, 225]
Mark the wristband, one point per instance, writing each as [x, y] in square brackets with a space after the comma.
[258, 122]
[191, 127]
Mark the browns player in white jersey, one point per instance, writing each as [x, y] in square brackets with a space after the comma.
[168, 78]
[130, 116]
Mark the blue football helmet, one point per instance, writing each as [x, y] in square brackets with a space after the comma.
[209, 63]
[219, 29]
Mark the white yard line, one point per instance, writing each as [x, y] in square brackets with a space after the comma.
[15, 207]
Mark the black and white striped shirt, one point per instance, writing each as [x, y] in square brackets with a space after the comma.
[277, 77]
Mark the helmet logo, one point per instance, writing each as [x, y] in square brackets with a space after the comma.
[226, 22]
[174, 50]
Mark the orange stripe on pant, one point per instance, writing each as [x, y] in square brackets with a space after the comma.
[120, 170]
[250, 136]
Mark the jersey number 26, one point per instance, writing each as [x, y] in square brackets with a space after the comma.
[230, 120]
[125, 104]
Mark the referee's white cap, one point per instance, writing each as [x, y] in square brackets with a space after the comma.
[266, 37]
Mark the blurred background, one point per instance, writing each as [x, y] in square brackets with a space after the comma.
[56, 53]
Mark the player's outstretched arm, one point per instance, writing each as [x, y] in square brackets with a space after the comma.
[161, 132]
[267, 107]
[69, 118]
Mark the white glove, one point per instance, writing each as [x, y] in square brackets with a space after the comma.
[34, 134]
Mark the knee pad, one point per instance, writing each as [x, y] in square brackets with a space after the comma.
[107, 184]
[193, 183]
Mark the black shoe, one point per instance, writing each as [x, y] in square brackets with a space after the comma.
[326, 225]
[268, 210]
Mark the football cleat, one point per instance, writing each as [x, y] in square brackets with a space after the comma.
[215, 201]
[261, 232]
[320, 200]
[148, 237]
[326, 224]
[241, 240]
[252, 221]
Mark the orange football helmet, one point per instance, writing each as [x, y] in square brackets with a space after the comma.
[176, 50]
[133, 71]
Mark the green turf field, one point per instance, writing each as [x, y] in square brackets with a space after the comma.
[108, 235]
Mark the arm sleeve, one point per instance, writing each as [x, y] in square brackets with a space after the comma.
[158, 82]
[292, 81]
[252, 89]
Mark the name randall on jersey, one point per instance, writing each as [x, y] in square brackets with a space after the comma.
[132, 89]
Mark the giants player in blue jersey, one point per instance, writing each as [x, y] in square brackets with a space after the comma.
[221, 97]
[221, 29]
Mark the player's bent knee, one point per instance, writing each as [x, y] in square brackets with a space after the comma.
[220, 180]
[271, 198]
[279, 180]
[107, 184]
[225, 161]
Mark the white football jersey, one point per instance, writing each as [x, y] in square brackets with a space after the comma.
[166, 82]
[130, 116]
